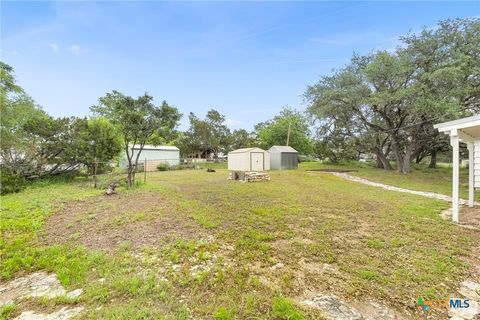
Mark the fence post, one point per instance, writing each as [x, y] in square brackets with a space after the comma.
[145, 171]
[95, 173]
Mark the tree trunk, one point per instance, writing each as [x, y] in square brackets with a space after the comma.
[129, 176]
[382, 161]
[433, 159]
[418, 159]
[133, 176]
[379, 162]
[406, 166]
[398, 155]
[406, 160]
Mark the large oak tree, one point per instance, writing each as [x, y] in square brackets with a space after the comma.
[388, 102]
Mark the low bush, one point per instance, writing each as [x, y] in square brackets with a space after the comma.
[10, 181]
[306, 158]
[163, 167]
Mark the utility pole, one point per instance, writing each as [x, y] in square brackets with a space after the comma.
[288, 134]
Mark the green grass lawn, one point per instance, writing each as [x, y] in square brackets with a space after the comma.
[421, 178]
[192, 244]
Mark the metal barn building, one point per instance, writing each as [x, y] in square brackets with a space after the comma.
[153, 156]
[249, 159]
[283, 158]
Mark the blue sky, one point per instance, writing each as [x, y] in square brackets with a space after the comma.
[245, 59]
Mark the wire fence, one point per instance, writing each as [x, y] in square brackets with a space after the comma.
[102, 174]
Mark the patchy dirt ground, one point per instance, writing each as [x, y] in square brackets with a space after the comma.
[193, 245]
[470, 216]
[106, 222]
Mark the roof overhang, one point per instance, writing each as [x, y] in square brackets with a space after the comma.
[467, 129]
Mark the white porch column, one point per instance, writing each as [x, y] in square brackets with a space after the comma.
[471, 180]
[455, 145]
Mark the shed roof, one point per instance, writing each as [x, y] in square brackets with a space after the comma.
[159, 148]
[243, 150]
[283, 149]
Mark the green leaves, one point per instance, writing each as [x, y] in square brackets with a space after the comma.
[275, 131]
[138, 120]
[388, 101]
[206, 136]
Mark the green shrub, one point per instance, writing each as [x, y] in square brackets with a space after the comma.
[182, 166]
[163, 167]
[306, 158]
[10, 181]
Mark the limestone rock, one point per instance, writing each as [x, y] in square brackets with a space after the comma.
[277, 266]
[333, 308]
[469, 313]
[38, 284]
[75, 293]
[470, 289]
[62, 314]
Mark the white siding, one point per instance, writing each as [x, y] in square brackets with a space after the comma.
[241, 161]
[476, 161]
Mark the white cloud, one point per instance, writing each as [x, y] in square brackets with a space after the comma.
[339, 39]
[75, 49]
[55, 48]
[232, 122]
[345, 39]
[310, 60]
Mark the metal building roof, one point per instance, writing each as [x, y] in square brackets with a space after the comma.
[160, 148]
[283, 149]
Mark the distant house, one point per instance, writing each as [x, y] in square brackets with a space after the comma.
[153, 156]
[283, 157]
[204, 156]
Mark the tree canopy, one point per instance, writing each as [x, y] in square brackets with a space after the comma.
[275, 131]
[137, 120]
[388, 102]
[206, 136]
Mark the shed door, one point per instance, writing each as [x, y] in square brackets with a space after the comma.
[256, 161]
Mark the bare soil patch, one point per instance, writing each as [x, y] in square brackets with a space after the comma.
[469, 217]
[134, 219]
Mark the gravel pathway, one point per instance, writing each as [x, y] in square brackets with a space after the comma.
[433, 195]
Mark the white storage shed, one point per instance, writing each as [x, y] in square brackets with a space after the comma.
[283, 158]
[249, 159]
